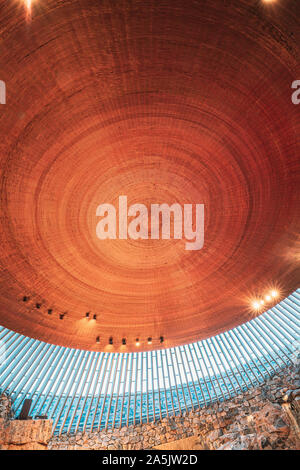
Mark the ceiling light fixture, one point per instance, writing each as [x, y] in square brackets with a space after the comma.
[50, 311]
[137, 342]
[87, 314]
[256, 305]
[94, 317]
[161, 339]
[98, 339]
[123, 341]
[274, 293]
[111, 340]
[149, 340]
[38, 305]
[28, 5]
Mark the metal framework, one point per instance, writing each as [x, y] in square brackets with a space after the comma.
[84, 390]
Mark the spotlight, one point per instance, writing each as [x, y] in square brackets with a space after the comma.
[87, 314]
[25, 298]
[61, 316]
[256, 305]
[95, 317]
[274, 293]
[28, 4]
[137, 342]
[161, 339]
[268, 298]
[123, 341]
[149, 340]
[49, 311]
[262, 302]
[111, 340]
[98, 339]
[38, 305]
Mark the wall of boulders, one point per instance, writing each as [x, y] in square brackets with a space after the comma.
[6, 412]
[266, 417]
[21, 435]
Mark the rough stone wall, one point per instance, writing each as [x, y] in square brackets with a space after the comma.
[266, 417]
[5, 407]
[25, 435]
[22, 435]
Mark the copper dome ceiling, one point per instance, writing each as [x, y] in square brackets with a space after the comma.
[170, 101]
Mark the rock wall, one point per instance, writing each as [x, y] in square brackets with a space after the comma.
[5, 407]
[266, 417]
[22, 435]
[25, 435]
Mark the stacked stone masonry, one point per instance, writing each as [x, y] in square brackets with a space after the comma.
[21, 435]
[264, 418]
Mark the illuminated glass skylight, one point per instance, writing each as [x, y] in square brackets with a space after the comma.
[85, 390]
